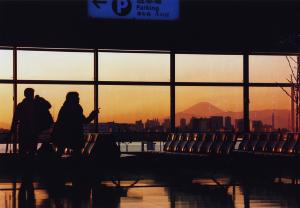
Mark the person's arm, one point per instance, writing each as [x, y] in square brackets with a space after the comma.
[92, 116]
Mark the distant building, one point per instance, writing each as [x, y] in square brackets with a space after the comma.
[152, 125]
[166, 125]
[268, 128]
[228, 125]
[257, 126]
[239, 124]
[139, 126]
[199, 124]
[216, 123]
[273, 121]
[183, 124]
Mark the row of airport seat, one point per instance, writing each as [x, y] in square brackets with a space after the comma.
[274, 143]
[200, 143]
[224, 143]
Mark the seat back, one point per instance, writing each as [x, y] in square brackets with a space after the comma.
[297, 146]
[199, 142]
[272, 142]
[262, 142]
[170, 138]
[176, 141]
[207, 143]
[254, 138]
[279, 145]
[90, 144]
[228, 144]
[244, 143]
[193, 137]
[290, 143]
[217, 143]
[184, 140]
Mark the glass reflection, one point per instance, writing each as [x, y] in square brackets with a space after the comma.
[203, 192]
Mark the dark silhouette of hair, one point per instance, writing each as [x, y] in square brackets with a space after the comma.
[29, 93]
[72, 97]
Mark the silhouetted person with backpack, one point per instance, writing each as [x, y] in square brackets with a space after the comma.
[68, 130]
[29, 121]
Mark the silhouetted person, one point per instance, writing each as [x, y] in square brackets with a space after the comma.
[44, 117]
[68, 130]
[30, 120]
[25, 123]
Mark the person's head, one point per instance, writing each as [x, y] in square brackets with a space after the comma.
[72, 97]
[29, 93]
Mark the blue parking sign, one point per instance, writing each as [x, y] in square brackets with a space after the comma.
[134, 9]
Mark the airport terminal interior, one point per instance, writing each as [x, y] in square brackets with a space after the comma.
[182, 103]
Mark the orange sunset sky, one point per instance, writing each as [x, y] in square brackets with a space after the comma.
[131, 103]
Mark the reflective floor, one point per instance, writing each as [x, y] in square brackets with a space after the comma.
[198, 192]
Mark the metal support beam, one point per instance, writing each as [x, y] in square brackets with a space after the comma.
[15, 93]
[96, 94]
[246, 92]
[172, 91]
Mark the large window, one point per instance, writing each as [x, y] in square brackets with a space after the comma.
[200, 108]
[6, 64]
[6, 107]
[270, 109]
[271, 69]
[56, 95]
[145, 108]
[43, 65]
[135, 89]
[209, 68]
[134, 67]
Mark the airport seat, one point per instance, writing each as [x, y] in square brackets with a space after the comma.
[290, 143]
[217, 143]
[279, 145]
[262, 142]
[90, 142]
[175, 142]
[244, 143]
[254, 138]
[207, 143]
[228, 144]
[184, 140]
[170, 139]
[199, 142]
[193, 137]
[272, 142]
[297, 146]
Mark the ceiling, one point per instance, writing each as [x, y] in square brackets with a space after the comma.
[204, 26]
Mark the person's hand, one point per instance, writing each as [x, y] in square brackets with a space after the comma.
[94, 113]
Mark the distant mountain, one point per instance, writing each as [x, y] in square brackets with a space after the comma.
[206, 109]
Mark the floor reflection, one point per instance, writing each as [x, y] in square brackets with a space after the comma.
[151, 192]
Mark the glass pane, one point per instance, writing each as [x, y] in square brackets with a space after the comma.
[268, 103]
[209, 105]
[6, 107]
[209, 68]
[131, 106]
[134, 67]
[6, 113]
[44, 65]
[6, 64]
[271, 68]
[56, 95]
